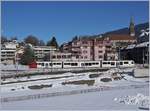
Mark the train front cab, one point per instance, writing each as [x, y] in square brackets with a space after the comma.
[126, 63]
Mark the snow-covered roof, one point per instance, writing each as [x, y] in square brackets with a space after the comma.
[144, 32]
[144, 44]
[131, 46]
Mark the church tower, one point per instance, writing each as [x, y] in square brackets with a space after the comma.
[131, 27]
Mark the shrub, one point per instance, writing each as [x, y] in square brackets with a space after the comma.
[39, 86]
[93, 75]
[88, 82]
[106, 79]
[117, 78]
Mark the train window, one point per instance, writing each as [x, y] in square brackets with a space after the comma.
[121, 63]
[112, 63]
[50, 64]
[39, 63]
[108, 63]
[58, 63]
[93, 63]
[74, 64]
[86, 64]
[54, 57]
[96, 63]
[63, 56]
[90, 64]
[66, 63]
[58, 56]
[125, 62]
[82, 64]
[132, 62]
[104, 62]
[46, 64]
[42, 64]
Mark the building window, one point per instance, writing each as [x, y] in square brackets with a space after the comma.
[69, 56]
[85, 57]
[75, 43]
[63, 56]
[85, 47]
[100, 51]
[108, 46]
[84, 42]
[108, 51]
[84, 51]
[77, 56]
[58, 56]
[100, 56]
[54, 57]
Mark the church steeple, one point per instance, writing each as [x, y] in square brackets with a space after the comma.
[131, 27]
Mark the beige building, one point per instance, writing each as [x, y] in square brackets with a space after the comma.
[42, 51]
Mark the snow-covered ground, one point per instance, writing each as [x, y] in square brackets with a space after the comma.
[88, 101]
[103, 100]
[141, 100]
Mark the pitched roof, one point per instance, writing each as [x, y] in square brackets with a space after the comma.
[120, 37]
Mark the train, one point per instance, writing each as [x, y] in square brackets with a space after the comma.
[86, 64]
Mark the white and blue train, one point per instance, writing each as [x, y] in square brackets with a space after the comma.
[90, 64]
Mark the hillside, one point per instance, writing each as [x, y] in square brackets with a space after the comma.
[138, 30]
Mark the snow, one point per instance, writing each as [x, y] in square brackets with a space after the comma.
[55, 82]
[131, 46]
[144, 32]
[140, 100]
[13, 67]
[144, 44]
[103, 100]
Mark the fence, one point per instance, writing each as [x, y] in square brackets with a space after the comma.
[8, 74]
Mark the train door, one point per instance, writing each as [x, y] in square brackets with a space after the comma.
[101, 63]
[62, 65]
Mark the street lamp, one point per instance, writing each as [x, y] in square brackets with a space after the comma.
[143, 57]
[16, 62]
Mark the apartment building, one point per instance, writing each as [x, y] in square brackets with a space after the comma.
[88, 48]
[42, 51]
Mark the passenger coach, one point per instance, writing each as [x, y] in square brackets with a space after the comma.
[90, 64]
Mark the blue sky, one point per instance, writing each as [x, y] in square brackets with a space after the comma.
[64, 20]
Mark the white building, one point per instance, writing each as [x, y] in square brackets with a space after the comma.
[8, 52]
[41, 51]
[8, 56]
[61, 56]
[11, 45]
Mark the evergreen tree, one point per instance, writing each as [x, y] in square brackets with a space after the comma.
[13, 38]
[32, 40]
[3, 39]
[53, 43]
[75, 38]
[28, 56]
[41, 43]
